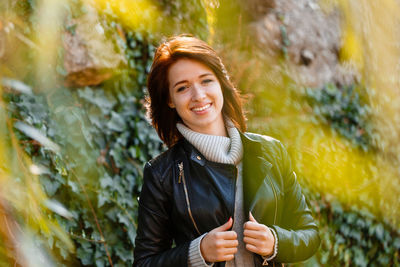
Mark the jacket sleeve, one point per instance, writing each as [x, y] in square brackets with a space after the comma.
[154, 238]
[298, 234]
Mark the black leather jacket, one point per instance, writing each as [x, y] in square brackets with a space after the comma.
[184, 195]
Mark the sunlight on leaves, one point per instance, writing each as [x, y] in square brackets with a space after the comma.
[139, 15]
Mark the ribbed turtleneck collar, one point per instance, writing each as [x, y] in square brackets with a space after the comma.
[221, 149]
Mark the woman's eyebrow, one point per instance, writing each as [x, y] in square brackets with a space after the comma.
[201, 76]
[184, 81]
[205, 74]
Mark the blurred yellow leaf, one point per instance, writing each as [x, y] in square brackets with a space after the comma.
[352, 49]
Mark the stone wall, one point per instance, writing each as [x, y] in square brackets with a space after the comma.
[306, 34]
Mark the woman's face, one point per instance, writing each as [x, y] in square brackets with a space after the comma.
[196, 94]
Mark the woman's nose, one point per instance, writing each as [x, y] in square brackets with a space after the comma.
[198, 92]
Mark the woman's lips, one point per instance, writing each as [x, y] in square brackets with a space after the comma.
[201, 109]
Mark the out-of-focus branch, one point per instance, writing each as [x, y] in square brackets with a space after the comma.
[8, 235]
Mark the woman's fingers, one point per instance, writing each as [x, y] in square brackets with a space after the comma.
[227, 257]
[252, 241]
[261, 247]
[228, 254]
[220, 244]
[228, 244]
[225, 227]
[227, 235]
[258, 238]
[228, 251]
[254, 234]
[253, 226]
[220, 254]
[252, 248]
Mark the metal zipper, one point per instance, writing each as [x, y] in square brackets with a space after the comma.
[182, 178]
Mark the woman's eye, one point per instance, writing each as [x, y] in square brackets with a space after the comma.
[180, 89]
[207, 81]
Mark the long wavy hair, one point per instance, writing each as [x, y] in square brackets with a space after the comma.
[163, 117]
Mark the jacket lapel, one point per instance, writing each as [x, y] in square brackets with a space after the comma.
[255, 169]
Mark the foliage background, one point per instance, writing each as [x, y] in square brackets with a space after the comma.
[85, 146]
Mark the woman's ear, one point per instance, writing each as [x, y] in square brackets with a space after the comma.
[170, 104]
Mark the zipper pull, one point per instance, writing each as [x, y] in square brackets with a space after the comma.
[180, 166]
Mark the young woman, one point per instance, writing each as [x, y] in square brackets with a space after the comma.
[225, 197]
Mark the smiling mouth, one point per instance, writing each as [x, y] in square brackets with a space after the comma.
[201, 108]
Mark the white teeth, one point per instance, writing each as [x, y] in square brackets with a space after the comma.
[202, 108]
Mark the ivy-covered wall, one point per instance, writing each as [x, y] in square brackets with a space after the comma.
[97, 174]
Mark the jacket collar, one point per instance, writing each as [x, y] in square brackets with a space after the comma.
[193, 153]
[253, 147]
[251, 143]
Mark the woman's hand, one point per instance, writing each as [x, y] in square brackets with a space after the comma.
[258, 237]
[220, 244]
